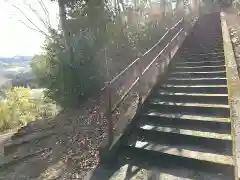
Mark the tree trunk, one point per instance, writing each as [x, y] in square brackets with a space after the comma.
[196, 7]
[135, 4]
[150, 3]
[123, 5]
[164, 7]
[63, 20]
[118, 6]
[115, 4]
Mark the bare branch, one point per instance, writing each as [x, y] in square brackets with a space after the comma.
[43, 6]
[37, 30]
[47, 26]
[28, 19]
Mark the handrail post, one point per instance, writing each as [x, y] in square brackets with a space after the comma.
[139, 75]
[183, 23]
[109, 115]
[170, 55]
[139, 93]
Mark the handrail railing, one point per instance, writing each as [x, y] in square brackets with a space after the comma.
[115, 106]
[147, 52]
[111, 108]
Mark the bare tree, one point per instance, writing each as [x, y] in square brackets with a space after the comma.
[163, 7]
[63, 23]
[45, 26]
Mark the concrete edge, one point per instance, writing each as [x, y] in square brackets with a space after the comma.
[233, 84]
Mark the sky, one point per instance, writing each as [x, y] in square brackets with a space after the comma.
[15, 38]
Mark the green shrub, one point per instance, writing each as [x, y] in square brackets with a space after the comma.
[19, 108]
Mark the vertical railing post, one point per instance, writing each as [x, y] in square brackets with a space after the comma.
[169, 53]
[139, 75]
[139, 94]
[109, 115]
[183, 24]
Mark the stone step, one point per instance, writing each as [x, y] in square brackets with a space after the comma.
[210, 89]
[211, 74]
[197, 81]
[204, 124]
[211, 39]
[186, 151]
[185, 131]
[190, 117]
[191, 97]
[213, 142]
[202, 55]
[136, 170]
[158, 160]
[201, 50]
[199, 59]
[201, 63]
[200, 68]
[206, 46]
[217, 110]
[189, 49]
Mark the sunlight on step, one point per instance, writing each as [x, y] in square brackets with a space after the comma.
[187, 132]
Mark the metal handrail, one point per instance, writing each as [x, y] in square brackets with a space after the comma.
[147, 52]
[144, 71]
[111, 109]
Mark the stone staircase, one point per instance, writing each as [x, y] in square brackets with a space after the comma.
[184, 128]
[183, 131]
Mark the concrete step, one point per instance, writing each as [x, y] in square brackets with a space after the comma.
[197, 81]
[142, 157]
[211, 74]
[202, 55]
[209, 49]
[216, 143]
[185, 131]
[204, 124]
[191, 97]
[217, 110]
[209, 89]
[211, 39]
[136, 170]
[200, 68]
[199, 59]
[188, 63]
[187, 151]
[206, 46]
[201, 50]
[185, 116]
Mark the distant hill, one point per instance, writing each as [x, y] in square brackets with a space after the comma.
[16, 61]
[15, 70]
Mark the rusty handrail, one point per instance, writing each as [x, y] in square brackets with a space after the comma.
[144, 71]
[111, 109]
[137, 59]
[176, 24]
[176, 35]
[153, 61]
